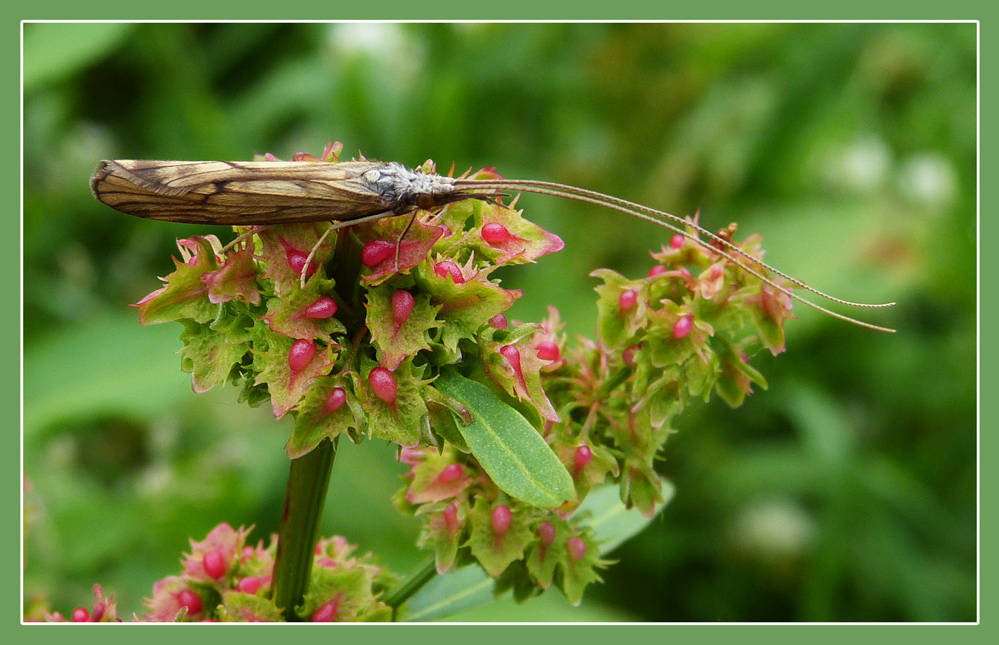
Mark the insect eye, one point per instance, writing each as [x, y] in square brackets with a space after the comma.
[425, 201]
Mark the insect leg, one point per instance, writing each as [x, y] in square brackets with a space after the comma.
[245, 236]
[334, 227]
[398, 243]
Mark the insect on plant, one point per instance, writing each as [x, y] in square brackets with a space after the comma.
[265, 193]
[505, 426]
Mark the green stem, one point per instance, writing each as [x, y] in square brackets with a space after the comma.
[413, 583]
[303, 508]
[345, 271]
[612, 382]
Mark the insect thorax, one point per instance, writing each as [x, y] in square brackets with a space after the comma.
[402, 188]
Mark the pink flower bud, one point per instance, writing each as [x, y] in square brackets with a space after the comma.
[580, 458]
[682, 326]
[301, 354]
[214, 564]
[296, 260]
[657, 270]
[448, 268]
[627, 300]
[189, 599]
[337, 397]
[81, 615]
[548, 351]
[576, 547]
[495, 233]
[546, 532]
[383, 383]
[402, 306]
[498, 322]
[501, 519]
[99, 609]
[327, 613]
[322, 308]
[376, 251]
[677, 241]
[250, 585]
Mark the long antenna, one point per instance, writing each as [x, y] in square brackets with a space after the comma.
[674, 223]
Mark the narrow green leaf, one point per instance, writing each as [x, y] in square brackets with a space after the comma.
[510, 450]
[448, 594]
[612, 524]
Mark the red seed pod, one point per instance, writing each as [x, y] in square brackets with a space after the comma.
[580, 458]
[296, 260]
[627, 300]
[214, 564]
[301, 354]
[499, 322]
[682, 326]
[327, 613]
[451, 521]
[320, 309]
[576, 547]
[402, 306]
[658, 269]
[250, 585]
[335, 400]
[495, 233]
[511, 354]
[81, 615]
[377, 251]
[548, 351]
[383, 383]
[677, 241]
[448, 268]
[189, 599]
[451, 473]
[629, 353]
[546, 532]
[501, 519]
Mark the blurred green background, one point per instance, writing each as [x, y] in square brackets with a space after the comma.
[846, 492]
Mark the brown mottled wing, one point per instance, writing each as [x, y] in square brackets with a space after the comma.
[238, 193]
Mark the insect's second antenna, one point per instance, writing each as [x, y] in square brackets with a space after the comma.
[727, 249]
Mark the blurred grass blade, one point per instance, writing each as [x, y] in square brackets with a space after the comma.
[469, 587]
[510, 450]
[53, 51]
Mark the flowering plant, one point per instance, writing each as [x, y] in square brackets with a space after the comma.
[396, 330]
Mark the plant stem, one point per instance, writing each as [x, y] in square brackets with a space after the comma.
[421, 576]
[303, 508]
[613, 381]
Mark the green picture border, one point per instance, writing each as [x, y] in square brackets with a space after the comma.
[442, 10]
